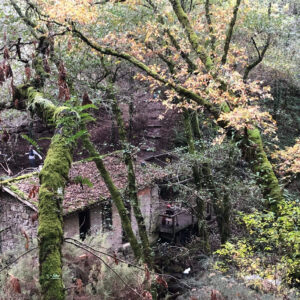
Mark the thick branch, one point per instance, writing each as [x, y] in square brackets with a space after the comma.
[185, 56]
[191, 34]
[31, 25]
[131, 178]
[210, 27]
[230, 31]
[115, 195]
[259, 58]
[178, 88]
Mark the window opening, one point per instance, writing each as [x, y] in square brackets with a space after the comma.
[84, 223]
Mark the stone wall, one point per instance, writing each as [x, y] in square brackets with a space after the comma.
[71, 225]
[15, 216]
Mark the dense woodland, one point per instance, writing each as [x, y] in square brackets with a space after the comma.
[205, 91]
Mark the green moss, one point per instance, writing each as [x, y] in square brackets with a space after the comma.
[59, 112]
[116, 197]
[50, 231]
[10, 180]
[263, 169]
[35, 101]
[41, 75]
[224, 107]
[52, 182]
[18, 192]
[192, 36]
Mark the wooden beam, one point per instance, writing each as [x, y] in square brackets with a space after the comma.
[7, 190]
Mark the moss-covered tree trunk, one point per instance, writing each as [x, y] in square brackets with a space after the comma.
[254, 153]
[52, 182]
[116, 197]
[200, 205]
[196, 126]
[50, 230]
[147, 253]
[259, 160]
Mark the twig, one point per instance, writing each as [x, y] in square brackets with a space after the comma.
[25, 253]
[84, 246]
[254, 43]
[108, 266]
[6, 228]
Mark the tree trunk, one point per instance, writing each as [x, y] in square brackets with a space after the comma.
[50, 230]
[147, 253]
[196, 126]
[52, 182]
[254, 153]
[116, 197]
[200, 208]
[221, 206]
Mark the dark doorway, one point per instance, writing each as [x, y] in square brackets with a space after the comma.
[84, 223]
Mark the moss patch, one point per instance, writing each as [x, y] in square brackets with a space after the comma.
[10, 180]
[263, 168]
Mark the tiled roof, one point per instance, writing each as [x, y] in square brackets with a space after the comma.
[79, 196]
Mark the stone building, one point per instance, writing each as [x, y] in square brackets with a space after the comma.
[87, 207]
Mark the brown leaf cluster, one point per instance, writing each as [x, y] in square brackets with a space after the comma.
[34, 191]
[14, 284]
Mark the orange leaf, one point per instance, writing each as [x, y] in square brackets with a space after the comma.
[147, 295]
[147, 273]
[160, 280]
[15, 284]
[26, 237]
[79, 286]
[116, 259]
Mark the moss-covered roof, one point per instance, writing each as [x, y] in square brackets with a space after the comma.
[78, 196]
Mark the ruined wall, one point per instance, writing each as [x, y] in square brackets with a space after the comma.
[150, 204]
[71, 225]
[17, 217]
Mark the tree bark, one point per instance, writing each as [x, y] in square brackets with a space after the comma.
[147, 252]
[53, 178]
[254, 153]
[192, 36]
[196, 126]
[200, 208]
[116, 197]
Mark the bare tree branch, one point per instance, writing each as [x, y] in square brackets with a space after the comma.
[210, 28]
[19, 257]
[107, 265]
[261, 54]
[230, 31]
[191, 34]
